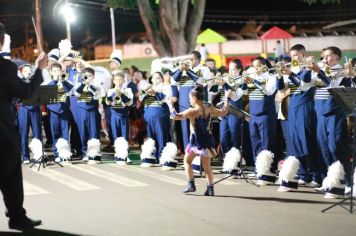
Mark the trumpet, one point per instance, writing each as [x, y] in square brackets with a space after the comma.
[145, 92]
[176, 61]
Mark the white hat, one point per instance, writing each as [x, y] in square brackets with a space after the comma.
[54, 54]
[116, 56]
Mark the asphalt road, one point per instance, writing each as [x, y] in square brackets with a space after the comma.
[107, 199]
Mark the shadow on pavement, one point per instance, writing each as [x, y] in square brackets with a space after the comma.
[38, 232]
[276, 199]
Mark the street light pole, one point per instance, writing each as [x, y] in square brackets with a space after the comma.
[113, 37]
[67, 24]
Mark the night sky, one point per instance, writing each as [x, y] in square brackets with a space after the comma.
[94, 18]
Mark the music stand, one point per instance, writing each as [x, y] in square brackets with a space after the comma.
[44, 95]
[346, 98]
[239, 171]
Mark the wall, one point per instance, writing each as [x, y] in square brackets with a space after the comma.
[145, 50]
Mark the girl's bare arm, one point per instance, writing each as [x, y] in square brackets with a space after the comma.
[187, 114]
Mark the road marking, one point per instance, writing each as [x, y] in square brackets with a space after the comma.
[152, 174]
[31, 189]
[128, 182]
[66, 180]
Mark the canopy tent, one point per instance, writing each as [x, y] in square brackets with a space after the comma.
[275, 33]
[211, 36]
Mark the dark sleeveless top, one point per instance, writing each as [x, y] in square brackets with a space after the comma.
[202, 137]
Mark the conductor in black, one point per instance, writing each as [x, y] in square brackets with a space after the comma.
[11, 184]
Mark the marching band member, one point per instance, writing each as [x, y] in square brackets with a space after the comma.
[261, 89]
[114, 65]
[156, 112]
[73, 68]
[53, 57]
[301, 115]
[331, 123]
[89, 93]
[60, 112]
[119, 99]
[28, 115]
[282, 106]
[230, 125]
[186, 77]
[201, 140]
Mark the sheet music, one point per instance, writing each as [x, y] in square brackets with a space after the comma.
[45, 94]
[346, 98]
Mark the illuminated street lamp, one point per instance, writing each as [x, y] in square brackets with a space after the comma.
[69, 17]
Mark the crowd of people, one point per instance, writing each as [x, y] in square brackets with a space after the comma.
[273, 110]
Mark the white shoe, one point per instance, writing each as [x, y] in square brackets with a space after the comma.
[347, 190]
[26, 162]
[301, 182]
[167, 168]
[252, 175]
[58, 159]
[320, 189]
[263, 183]
[66, 161]
[128, 160]
[313, 184]
[332, 196]
[147, 165]
[93, 162]
[85, 159]
[121, 163]
[284, 189]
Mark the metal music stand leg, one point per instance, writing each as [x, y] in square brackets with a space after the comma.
[240, 171]
[351, 197]
[44, 158]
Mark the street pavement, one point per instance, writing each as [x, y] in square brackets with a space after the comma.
[107, 199]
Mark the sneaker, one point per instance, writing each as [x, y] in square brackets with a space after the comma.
[332, 196]
[313, 184]
[347, 190]
[26, 162]
[263, 182]
[93, 161]
[121, 163]
[167, 168]
[252, 175]
[301, 182]
[57, 159]
[85, 159]
[128, 160]
[147, 165]
[284, 189]
[320, 189]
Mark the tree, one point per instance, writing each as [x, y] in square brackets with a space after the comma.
[172, 27]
